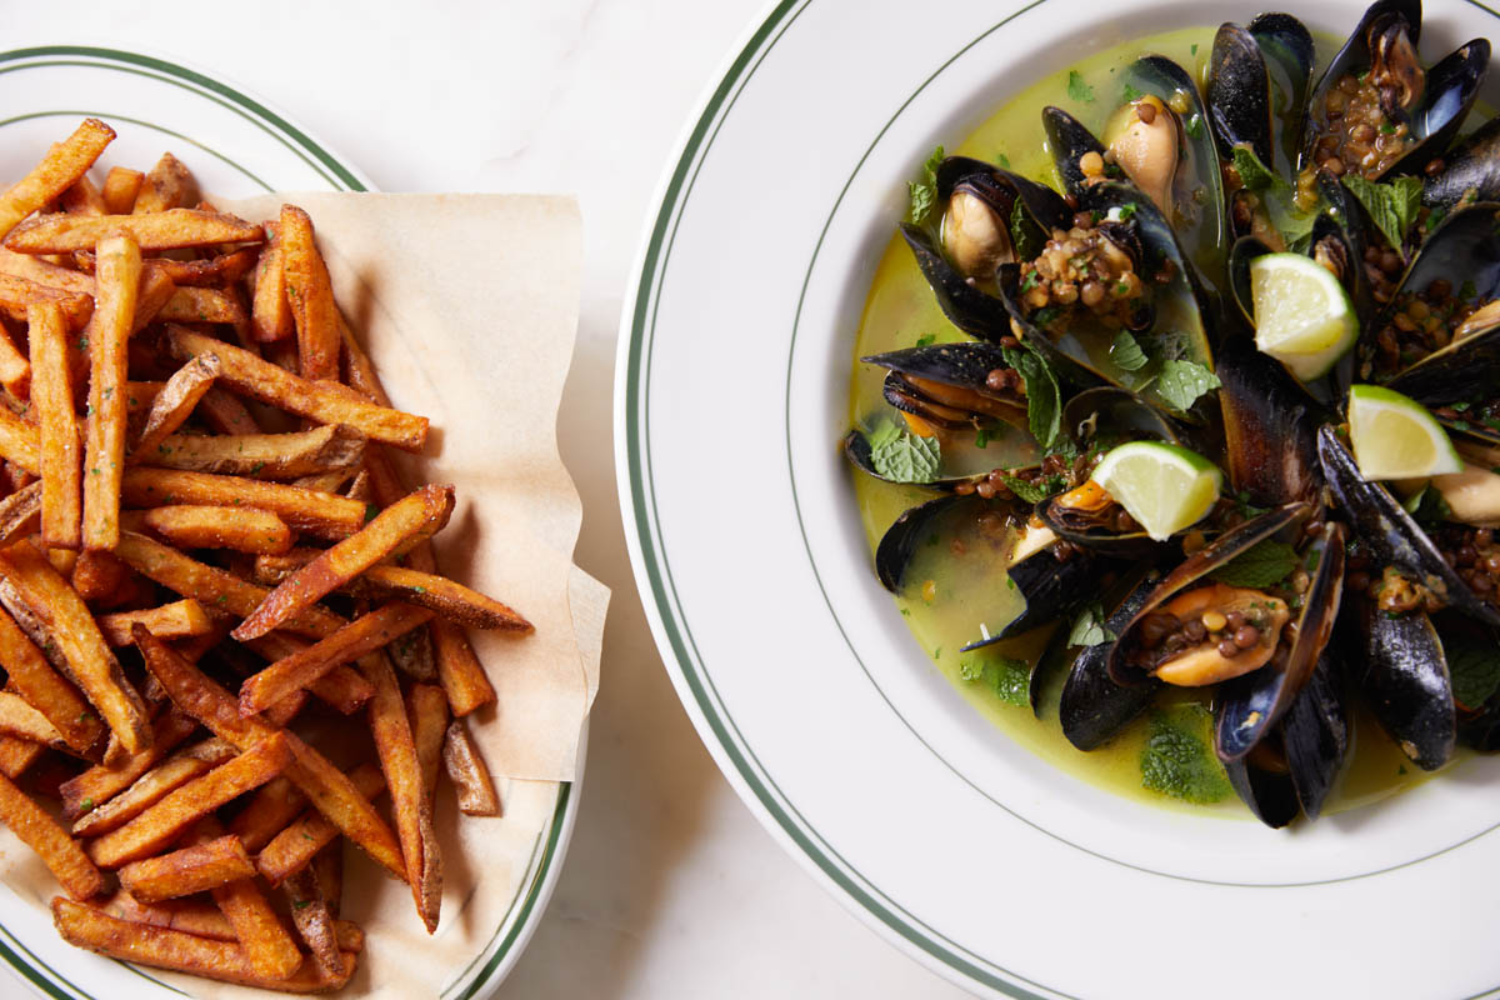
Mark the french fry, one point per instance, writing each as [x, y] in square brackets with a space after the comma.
[175, 402]
[470, 775]
[83, 198]
[168, 185]
[271, 950]
[19, 719]
[20, 443]
[39, 831]
[327, 403]
[91, 664]
[20, 513]
[166, 820]
[45, 273]
[310, 294]
[459, 669]
[97, 575]
[121, 187]
[188, 870]
[243, 529]
[15, 368]
[64, 163]
[174, 229]
[363, 635]
[294, 848]
[178, 620]
[274, 457]
[311, 916]
[271, 808]
[203, 305]
[357, 368]
[341, 687]
[153, 786]
[427, 708]
[270, 312]
[18, 295]
[163, 948]
[393, 532]
[203, 919]
[328, 868]
[321, 514]
[99, 784]
[226, 414]
[332, 791]
[104, 455]
[29, 673]
[61, 452]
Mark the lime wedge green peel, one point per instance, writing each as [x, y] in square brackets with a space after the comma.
[1395, 437]
[1164, 487]
[1303, 316]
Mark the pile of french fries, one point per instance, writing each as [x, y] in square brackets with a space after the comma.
[209, 564]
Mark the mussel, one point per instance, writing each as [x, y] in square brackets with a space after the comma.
[953, 385]
[1094, 706]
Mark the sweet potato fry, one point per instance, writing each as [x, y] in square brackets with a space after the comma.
[470, 775]
[15, 368]
[164, 821]
[20, 720]
[17, 755]
[20, 513]
[178, 620]
[332, 791]
[327, 403]
[91, 928]
[294, 847]
[361, 636]
[64, 163]
[91, 664]
[188, 870]
[393, 532]
[310, 294]
[17, 295]
[427, 708]
[61, 451]
[99, 784]
[121, 188]
[274, 457]
[170, 230]
[83, 198]
[175, 402]
[321, 514]
[270, 312]
[243, 529]
[39, 831]
[311, 916]
[153, 786]
[271, 808]
[20, 443]
[168, 185]
[104, 455]
[29, 673]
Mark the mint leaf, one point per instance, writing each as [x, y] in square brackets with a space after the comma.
[1126, 352]
[1475, 667]
[1182, 382]
[1025, 237]
[1043, 398]
[1032, 493]
[1266, 563]
[1010, 679]
[970, 669]
[902, 457]
[1194, 127]
[1077, 89]
[1178, 759]
[1131, 94]
[924, 192]
[1089, 628]
[1253, 173]
[1393, 206]
[926, 340]
[882, 434]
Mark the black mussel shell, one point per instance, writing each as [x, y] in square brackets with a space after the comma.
[1391, 534]
[1471, 170]
[1269, 792]
[1057, 657]
[1239, 94]
[1270, 427]
[1407, 683]
[1094, 707]
[1069, 140]
[1452, 87]
[1315, 735]
[857, 451]
[1288, 49]
[1053, 588]
[967, 307]
[1045, 209]
[901, 539]
[1116, 410]
[966, 365]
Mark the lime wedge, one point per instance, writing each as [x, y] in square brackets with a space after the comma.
[1164, 487]
[1394, 436]
[1303, 316]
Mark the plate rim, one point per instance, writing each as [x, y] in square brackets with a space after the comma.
[553, 839]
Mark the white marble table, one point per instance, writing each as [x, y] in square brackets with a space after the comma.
[671, 888]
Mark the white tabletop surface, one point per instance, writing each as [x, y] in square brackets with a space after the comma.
[671, 888]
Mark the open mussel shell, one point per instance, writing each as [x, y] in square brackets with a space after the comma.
[1249, 706]
[1266, 786]
[1239, 93]
[1471, 170]
[1093, 527]
[1288, 49]
[1407, 683]
[1069, 139]
[1094, 707]
[1270, 427]
[857, 451]
[948, 384]
[1043, 208]
[1452, 87]
[1053, 587]
[1392, 536]
[1116, 411]
[1191, 570]
[967, 306]
[1315, 735]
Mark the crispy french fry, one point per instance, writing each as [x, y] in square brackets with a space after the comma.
[64, 163]
[17, 755]
[332, 791]
[20, 443]
[322, 514]
[168, 185]
[393, 532]
[275, 457]
[104, 456]
[178, 620]
[165, 821]
[15, 368]
[294, 848]
[39, 831]
[341, 687]
[153, 786]
[17, 295]
[175, 402]
[83, 198]
[271, 950]
[29, 673]
[470, 775]
[328, 868]
[270, 312]
[203, 919]
[163, 948]
[312, 918]
[121, 187]
[213, 272]
[459, 669]
[327, 403]
[243, 529]
[226, 414]
[91, 664]
[61, 451]
[156, 291]
[98, 576]
[45, 273]
[20, 720]
[188, 870]
[20, 513]
[271, 808]
[99, 784]
[202, 305]
[361, 636]
[310, 294]
[427, 708]
[170, 230]
[357, 368]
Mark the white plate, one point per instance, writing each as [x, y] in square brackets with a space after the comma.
[994, 868]
[237, 146]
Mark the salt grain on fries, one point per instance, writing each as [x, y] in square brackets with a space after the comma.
[146, 509]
